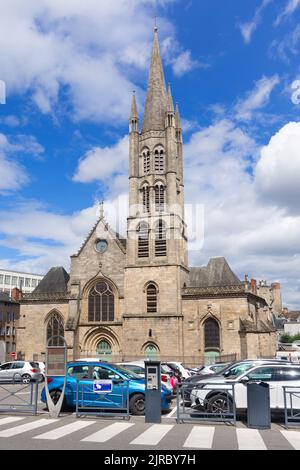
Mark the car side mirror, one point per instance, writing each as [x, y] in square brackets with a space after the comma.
[245, 379]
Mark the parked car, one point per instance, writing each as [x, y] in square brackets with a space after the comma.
[86, 372]
[212, 397]
[178, 367]
[213, 369]
[232, 369]
[138, 367]
[20, 371]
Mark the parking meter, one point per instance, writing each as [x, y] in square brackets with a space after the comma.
[153, 392]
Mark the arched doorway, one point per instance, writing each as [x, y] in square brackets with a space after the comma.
[211, 340]
[151, 351]
[104, 350]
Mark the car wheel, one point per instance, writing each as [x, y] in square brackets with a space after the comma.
[137, 404]
[220, 404]
[26, 378]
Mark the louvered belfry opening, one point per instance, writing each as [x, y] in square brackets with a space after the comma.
[147, 162]
[159, 161]
[143, 240]
[160, 239]
[159, 198]
[146, 199]
[151, 298]
[101, 303]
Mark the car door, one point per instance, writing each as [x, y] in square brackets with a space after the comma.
[9, 372]
[4, 372]
[288, 377]
[77, 373]
[16, 370]
[113, 399]
[259, 374]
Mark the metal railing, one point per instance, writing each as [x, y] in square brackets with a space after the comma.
[291, 396]
[114, 404]
[14, 400]
[212, 402]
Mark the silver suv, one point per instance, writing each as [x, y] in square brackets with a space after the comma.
[20, 371]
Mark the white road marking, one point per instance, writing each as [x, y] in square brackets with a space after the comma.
[8, 420]
[153, 435]
[172, 413]
[293, 437]
[108, 433]
[250, 439]
[64, 430]
[26, 427]
[200, 437]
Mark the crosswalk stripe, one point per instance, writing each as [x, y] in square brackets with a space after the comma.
[200, 437]
[108, 433]
[250, 439]
[8, 420]
[153, 435]
[293, 437]
[26, 427]
[64, 430]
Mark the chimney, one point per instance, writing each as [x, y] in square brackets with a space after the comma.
[276, 285]
[16, 294]
[254, 286]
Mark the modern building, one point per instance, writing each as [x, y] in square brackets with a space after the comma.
[136, 297]
[9, 320]
[26, 282]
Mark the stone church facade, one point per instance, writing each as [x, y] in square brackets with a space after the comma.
[130, 298]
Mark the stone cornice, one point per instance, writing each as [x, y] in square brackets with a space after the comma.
[58, 296]
[215, 291]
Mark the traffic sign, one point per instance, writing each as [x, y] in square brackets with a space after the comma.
[13, 355]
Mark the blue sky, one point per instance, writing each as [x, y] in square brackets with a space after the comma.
[70, 68]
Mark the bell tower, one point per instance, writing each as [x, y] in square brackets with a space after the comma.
[156, 230]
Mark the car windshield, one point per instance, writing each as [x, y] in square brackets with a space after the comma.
[129, 374]
[237, 370]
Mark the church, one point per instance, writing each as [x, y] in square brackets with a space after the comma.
[127, 299]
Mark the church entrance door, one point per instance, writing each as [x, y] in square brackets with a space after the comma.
[104, 351]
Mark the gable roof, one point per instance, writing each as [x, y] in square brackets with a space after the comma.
[55, 281]
[216, 274]
[121, 242]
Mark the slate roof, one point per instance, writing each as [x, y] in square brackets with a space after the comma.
[216, 274]
[55, 281]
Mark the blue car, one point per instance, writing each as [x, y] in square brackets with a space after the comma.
[88, 372]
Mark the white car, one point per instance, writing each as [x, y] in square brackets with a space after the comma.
[20, 371]
[212, 369]
[211, 393]
[178, 366]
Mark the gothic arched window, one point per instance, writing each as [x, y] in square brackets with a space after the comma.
[160, 239]
[160, 198]
[146, 198]
[211, 334]
[101, 303]
[147, 162]
[55, 330]
[143, 240]
[159, 160]
[151, 298]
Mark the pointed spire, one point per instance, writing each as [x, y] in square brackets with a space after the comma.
[134, 111]
[170, 106]
[156, 102]
[177, 118]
